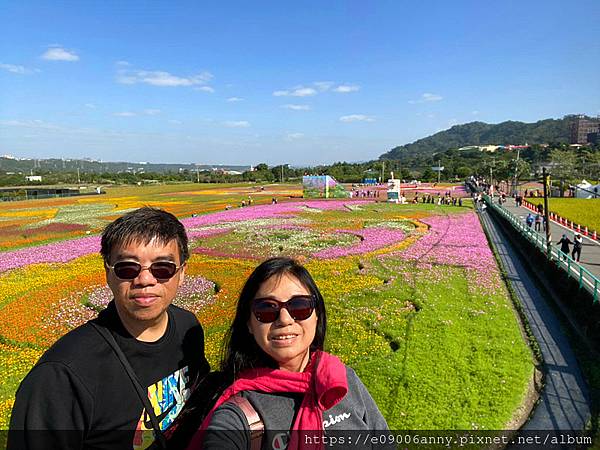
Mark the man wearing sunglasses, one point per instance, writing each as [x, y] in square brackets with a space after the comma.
[80, 392]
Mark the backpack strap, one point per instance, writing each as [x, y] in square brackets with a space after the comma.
[257, 426]
[142, 394]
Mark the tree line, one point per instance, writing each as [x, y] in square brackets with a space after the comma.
[564, 162]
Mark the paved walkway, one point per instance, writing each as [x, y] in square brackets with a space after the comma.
[564, 403]
[590, 253]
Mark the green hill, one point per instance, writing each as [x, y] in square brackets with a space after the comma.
[481, 133]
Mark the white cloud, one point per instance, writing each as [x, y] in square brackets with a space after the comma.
[36, 124]
[299, 91]
[475, 113]
[123, 63]
[60, 54]
[296, 107]
[294, 136]
[161, 78]
[427, 97]
[235, 99]
[124, 114]
[237, 124]
[21, 70]
[345, 88]
[90, 105]
[356, 118]
[323, 85]
[175, 122]
[151, 112]
[205, 89]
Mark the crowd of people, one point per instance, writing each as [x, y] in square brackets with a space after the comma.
[446, 199]
[364, 193]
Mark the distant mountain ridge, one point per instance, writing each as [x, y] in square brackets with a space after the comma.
[11, 164]
[481, 133]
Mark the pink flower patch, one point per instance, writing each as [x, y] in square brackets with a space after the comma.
[456, 240]
[57, 252]
[371, 239]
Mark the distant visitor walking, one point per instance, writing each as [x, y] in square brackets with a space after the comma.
[538, 222]
[564, 245]
[529, 220]
[577, 244]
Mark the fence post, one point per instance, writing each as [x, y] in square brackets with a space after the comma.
[595, 290]
[580, 277]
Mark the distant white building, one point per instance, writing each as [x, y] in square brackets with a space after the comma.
[488, 148]
[481, 148]
[34, 178]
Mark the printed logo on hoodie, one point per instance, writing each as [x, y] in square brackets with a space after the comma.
[337, 419]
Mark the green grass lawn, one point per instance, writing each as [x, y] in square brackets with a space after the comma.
[433, 354]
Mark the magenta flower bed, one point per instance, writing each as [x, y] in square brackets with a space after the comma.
[266, 211]
[50, 253]
[456, 240]
[371, 239]
[196, 234]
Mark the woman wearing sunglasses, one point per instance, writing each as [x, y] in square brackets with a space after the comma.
[274, 359]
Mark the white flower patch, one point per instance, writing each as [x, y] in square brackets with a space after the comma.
[404, 225]
[88, 214]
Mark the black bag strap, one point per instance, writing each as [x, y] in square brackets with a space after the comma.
[142, 394]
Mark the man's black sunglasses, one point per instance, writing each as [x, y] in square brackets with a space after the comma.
[300, 307]
[128, 270]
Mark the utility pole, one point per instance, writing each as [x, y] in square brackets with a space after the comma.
[197, 175]
[517, 169]
[547, 214]
[282, 173]
[439, 167]
[382, 171]
[78, 177]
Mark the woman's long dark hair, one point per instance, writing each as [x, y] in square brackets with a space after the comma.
[240, 350]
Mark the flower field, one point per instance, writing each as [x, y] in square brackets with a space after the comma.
[415, 301]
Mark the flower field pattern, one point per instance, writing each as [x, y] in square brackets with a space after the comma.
[415, 301]
[457, 241]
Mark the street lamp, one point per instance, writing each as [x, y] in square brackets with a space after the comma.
[547, 214]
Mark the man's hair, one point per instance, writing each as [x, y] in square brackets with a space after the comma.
[240, 350]
[142, 226]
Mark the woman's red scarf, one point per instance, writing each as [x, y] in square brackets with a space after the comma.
[323, 384]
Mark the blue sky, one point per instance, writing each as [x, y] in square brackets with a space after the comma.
[282, 82]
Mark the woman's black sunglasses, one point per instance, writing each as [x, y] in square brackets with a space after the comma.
[128, 270]
[266, 310]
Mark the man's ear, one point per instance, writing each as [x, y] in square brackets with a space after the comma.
[181, 275]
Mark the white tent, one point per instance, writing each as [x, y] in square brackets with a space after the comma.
[587, 190]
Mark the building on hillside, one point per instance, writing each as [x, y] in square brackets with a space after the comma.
[488, 148]
[585, 130]
[34, 178]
